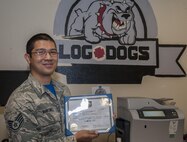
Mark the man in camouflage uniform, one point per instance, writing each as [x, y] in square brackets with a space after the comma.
[35, 110]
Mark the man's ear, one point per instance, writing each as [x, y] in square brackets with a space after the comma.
[27, 58]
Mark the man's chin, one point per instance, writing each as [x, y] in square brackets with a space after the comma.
[48, 72]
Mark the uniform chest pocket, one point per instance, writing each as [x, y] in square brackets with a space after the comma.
[49, 121]
[47, 115]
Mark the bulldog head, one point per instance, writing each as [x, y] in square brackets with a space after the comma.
[121, 16]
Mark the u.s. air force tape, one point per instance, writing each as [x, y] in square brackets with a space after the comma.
[16, 124]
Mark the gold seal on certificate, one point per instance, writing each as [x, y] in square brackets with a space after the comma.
[89, 112]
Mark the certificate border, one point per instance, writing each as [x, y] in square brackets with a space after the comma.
[66, 105]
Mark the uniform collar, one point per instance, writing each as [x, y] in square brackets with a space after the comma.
[40, 89]
[36, 85]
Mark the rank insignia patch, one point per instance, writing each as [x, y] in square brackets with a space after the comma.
[16, 124]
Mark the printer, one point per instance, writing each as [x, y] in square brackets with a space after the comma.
[148, 120]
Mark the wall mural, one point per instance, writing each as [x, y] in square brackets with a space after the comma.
[112, 42]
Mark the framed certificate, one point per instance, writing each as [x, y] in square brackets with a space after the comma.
[89, 112]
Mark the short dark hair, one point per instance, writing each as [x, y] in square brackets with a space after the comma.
[33, 39]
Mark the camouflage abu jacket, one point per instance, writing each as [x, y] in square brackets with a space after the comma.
[34, 114]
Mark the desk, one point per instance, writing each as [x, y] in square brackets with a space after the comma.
[2, 110]
[3, 130]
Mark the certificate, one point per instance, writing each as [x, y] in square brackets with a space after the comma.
[89, 112]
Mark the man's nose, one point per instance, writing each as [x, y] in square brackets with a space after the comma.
[48, 55]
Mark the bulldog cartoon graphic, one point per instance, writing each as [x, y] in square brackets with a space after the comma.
[105, 20]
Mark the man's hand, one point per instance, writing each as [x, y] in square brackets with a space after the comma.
[86, 135]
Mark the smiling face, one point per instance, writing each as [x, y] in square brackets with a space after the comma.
[42, 66]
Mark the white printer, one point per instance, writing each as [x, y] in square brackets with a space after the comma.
[148, 120]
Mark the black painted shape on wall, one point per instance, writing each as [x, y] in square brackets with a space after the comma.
[10, 80]
[105, 74]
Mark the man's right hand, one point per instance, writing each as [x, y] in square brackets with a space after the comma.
[86, 135]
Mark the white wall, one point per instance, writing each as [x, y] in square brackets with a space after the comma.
[22, 18]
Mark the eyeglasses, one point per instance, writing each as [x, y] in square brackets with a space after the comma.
[43, 52]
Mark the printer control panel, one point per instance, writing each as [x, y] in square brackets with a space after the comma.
[157, 114]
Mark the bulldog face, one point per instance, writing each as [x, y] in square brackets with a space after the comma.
[121, 17]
